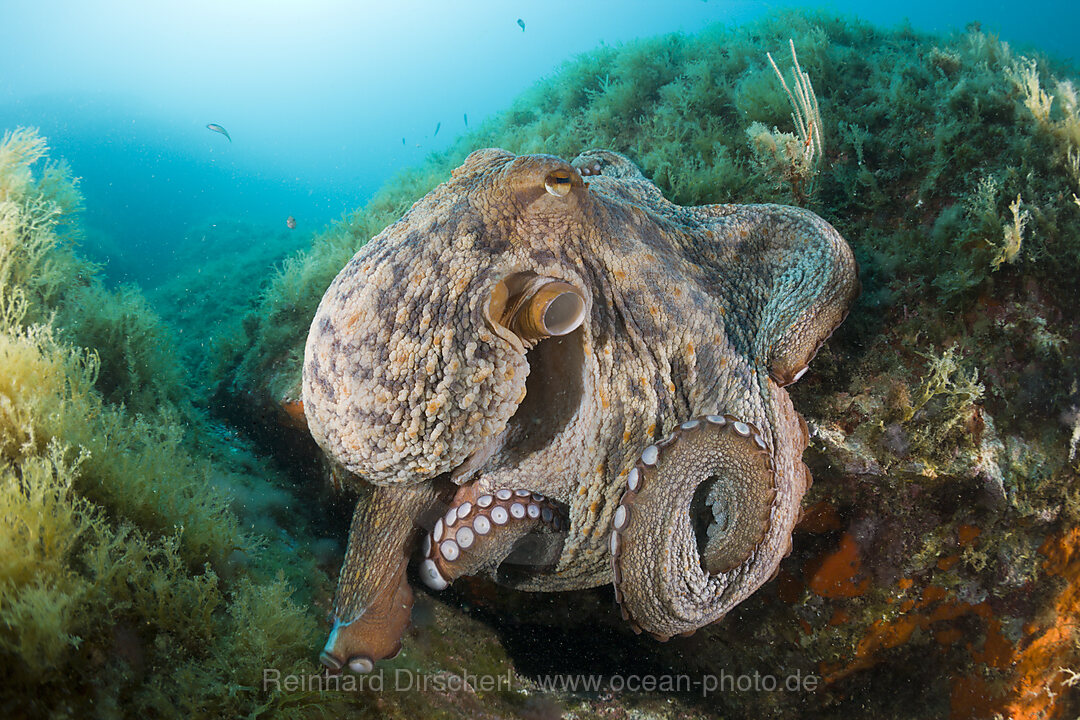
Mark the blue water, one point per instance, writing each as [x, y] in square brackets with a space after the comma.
[324, 100]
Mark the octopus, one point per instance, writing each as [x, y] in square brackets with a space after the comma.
[547, 374]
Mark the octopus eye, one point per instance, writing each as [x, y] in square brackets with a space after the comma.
[558, 183]
[535, 307]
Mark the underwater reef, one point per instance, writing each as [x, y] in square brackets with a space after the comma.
[169, 533]
[933, 571]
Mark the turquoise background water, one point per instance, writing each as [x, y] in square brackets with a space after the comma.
[324, 100]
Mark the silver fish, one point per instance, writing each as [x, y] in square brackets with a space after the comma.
[218, 129]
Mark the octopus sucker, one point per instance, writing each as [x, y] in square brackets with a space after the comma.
[502, 373]
[516, 527]
[704, 498]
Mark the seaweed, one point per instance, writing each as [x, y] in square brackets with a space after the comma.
[127, 584]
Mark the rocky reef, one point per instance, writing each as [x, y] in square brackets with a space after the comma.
[160, 554]
[932, 571]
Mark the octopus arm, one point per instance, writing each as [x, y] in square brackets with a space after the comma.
[790, 277]
[705, 520]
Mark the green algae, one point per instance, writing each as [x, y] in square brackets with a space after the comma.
[127, 583]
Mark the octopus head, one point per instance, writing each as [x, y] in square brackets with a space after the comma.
[416, 358]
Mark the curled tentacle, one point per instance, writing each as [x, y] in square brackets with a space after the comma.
[374, 600]
[481, 532]
[699, 527]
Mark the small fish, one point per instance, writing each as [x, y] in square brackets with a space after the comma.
[218, 129]
[466, 119]
[437, 126]
[290, 222]
[402, 141]
[522, 24]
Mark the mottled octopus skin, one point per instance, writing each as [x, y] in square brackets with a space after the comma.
[695, 319]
